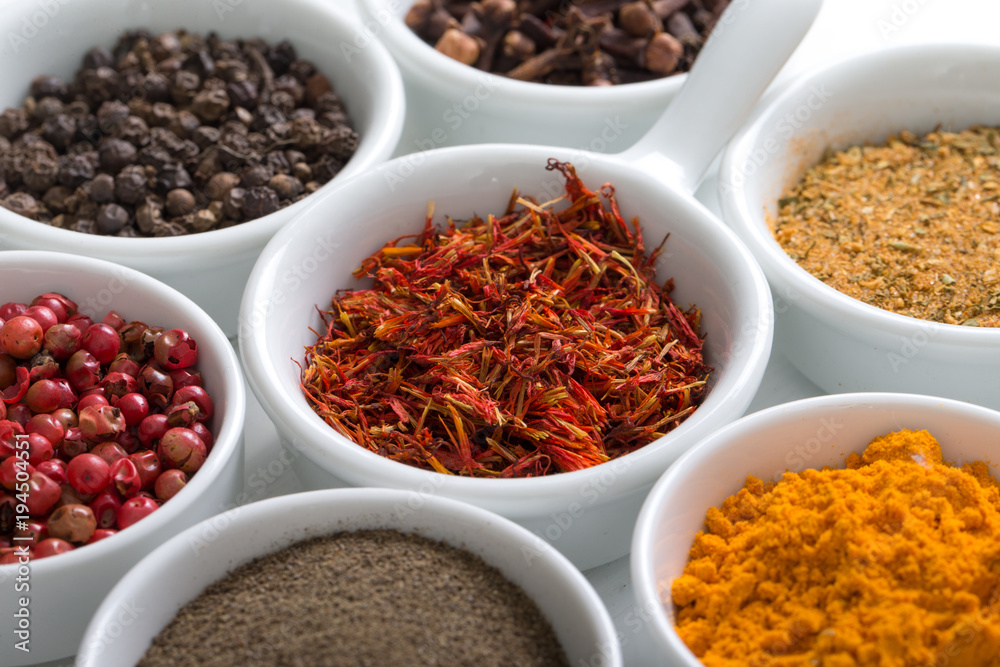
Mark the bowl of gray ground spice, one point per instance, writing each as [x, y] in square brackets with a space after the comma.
[354, 577]
[176, 138]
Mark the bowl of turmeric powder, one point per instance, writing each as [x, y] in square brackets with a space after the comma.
[839, 530]
[869, 192]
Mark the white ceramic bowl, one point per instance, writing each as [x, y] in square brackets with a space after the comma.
[139, 607]
[838, 342]
[66, 589]
[451, 104]
[794, 436]
[211, 268]
[588, 514]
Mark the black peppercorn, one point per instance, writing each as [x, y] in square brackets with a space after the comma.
[21, 203]
[173, 176]
[85, 226]
[130, 184]
[154, 156]
[184, 124]
[98, 57]
[285, 186]
[110, 113]
[102, 188]
[60, 199]
[280, 57]
[133, 130]
[48, 107]
[259, 201]
[111, 218]
[219, 185]
[47, 86]
[155, 137]
[243, 93]
[232, 203]
[74, 170]
[255, 175]
[148, 216]
[13, 122]
[185, 86]
[179, 202]
[59, 130]
[116, 154]
[41, 173]
[206, 136]
[99, 84]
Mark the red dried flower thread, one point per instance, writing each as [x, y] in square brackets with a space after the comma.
[524, 345]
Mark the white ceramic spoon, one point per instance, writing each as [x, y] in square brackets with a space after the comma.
[587, 514]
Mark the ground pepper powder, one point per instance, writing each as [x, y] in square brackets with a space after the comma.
[891, 562]
[370, 597]
[911, 226]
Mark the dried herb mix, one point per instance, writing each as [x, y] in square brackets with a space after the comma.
[911, 226]
[569, 42]
[172, 134]
[371, 597]
[522, 345]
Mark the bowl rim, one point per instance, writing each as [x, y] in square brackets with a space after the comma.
[812, 294]
[413, 52]
[373, 147]
[641, 559]
[227, 443]
[633, 467]
[361, 501]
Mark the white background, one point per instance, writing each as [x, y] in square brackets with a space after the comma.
[843, 29]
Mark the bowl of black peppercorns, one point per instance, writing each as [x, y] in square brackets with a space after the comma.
[176, 138]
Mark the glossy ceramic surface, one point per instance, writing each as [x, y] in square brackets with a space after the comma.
[211, 268]
[838, 342]
[210, 550]
[65, 590]
[809, 433]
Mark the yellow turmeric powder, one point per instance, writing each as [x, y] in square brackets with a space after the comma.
[893, 561]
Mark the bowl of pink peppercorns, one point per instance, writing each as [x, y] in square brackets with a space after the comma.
[121, 424]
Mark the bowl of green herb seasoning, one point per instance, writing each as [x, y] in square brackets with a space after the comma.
[868, 192]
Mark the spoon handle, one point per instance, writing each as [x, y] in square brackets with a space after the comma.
[748, 46]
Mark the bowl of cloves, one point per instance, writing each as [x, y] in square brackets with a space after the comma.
[176, 138]
[591, 74]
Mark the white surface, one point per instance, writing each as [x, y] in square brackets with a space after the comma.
[811, 433]
[843, 28]
[63, 591]
[211, 267]
[841, 343]
[206, 552]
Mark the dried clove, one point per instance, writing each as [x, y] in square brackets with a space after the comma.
[569, 42]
